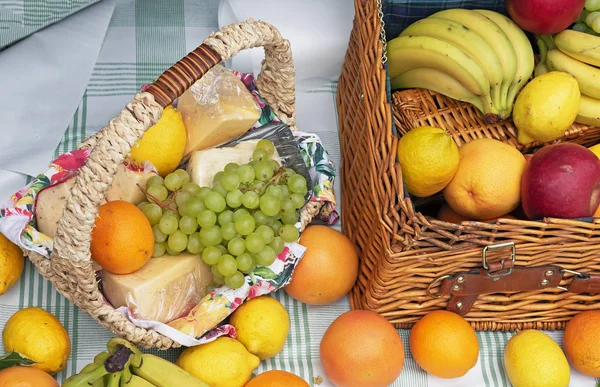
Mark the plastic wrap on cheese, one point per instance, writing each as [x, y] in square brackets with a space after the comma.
[162, 290]
[215, 109]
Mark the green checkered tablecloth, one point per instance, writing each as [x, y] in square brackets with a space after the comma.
[146, 37]
[20, 18]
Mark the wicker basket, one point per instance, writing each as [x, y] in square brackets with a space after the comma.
[69, 267]
[507, 275]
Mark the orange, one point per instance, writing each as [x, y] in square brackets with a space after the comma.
[361, 348]
[447, 214]
[597, 213]
[122, 240]
[487, 183]
[581, 342]
[20, 376]
[444, 344]
[328, 269]
[276, 379]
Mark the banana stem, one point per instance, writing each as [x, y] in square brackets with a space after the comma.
[116, 361]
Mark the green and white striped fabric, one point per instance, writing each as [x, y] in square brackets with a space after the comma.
[145, 37]
[21, 18]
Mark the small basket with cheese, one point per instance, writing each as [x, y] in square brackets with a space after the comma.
[161, 239]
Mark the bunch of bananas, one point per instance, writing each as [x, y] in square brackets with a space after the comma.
[578, 54]
[476, 56]
[126, 366]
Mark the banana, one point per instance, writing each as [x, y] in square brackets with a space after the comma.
[589, 111]
[579, 45]
[523, 51]
[468, 41]
[136, 381]
[113, 379]
[101, 357]
[86, 378]
[163, 373]
[541, 68]
[408, 52]
[435, 80]
[587, 76]
[493, 35]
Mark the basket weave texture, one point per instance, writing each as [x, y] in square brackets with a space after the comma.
[404, 251]
[69, 267]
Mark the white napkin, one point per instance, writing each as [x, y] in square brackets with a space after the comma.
[43, 79]
[318, 32]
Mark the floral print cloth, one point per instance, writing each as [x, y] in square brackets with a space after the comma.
[201, 324]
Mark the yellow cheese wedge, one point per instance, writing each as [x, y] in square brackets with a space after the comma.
[163, 289]
[216, 109]
[205, 164]
[52, 200]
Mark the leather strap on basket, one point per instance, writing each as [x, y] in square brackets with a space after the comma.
[503, 277]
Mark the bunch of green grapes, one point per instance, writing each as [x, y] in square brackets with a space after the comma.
[589, 19]
[239, 223]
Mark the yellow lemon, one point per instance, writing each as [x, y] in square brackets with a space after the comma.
[262, 325]
[546, 107]
[595, 149]
[163, 144]
[533, 359]
[429, 158]
[39, 336]
[11, 264]
[224, 362]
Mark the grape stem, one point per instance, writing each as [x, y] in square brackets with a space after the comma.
[165, 204]
[274, 179]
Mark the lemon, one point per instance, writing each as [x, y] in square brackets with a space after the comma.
[39, 336]
[262, 325]
[224, 362]
[429, 159]
[595, 149]
[546, 107]
[11, 264]
[533, 359]
[163, 144]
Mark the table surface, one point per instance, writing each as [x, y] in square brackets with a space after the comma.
[133, 54]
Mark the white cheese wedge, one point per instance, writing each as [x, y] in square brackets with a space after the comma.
[205, 164]
[51, 201]
[162, 290]
[216, 109]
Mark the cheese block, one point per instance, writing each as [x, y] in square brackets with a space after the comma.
[124, 186]
[51, 201]
[205, 164]
[163, 289]
[216, 109]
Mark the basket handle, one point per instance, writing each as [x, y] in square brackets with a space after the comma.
[113, 144]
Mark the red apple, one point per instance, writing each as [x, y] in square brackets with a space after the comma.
[561, 181]
[544, 16]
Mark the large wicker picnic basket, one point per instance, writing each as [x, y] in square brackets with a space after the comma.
[70, 267]
[506, 275]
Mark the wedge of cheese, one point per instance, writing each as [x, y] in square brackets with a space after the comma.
[163, 289]
[51, 201]
[216, 109]
[205, 164]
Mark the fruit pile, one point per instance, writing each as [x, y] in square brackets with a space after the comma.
[475, 56]
[484, 58]
[239, 223]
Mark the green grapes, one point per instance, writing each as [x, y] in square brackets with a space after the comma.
[240, 223]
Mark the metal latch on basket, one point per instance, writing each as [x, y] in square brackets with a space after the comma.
[503, 277]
